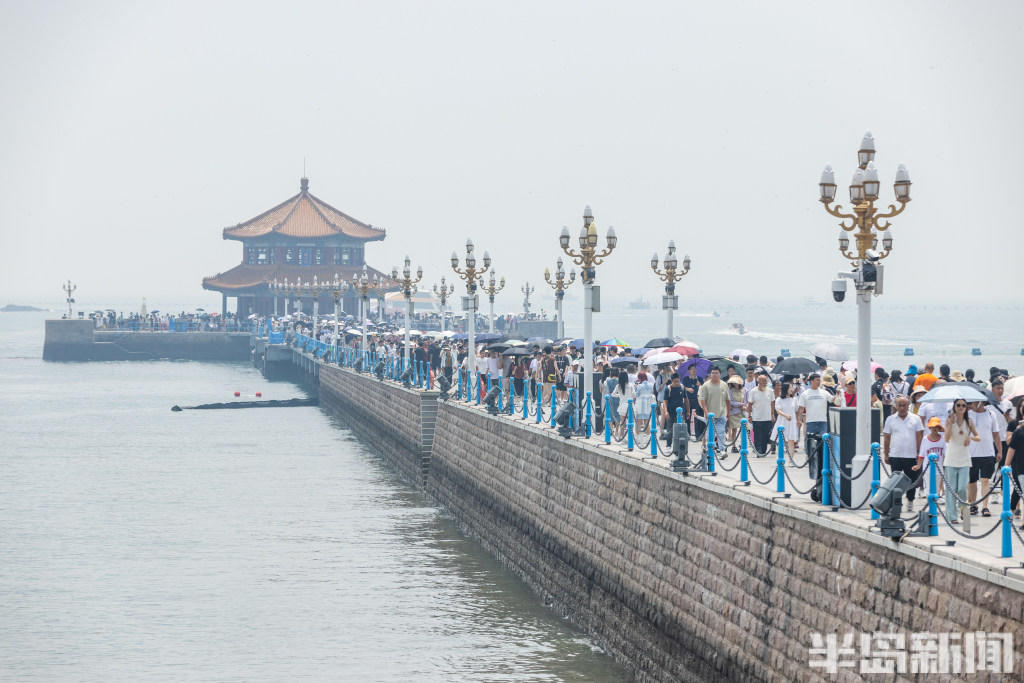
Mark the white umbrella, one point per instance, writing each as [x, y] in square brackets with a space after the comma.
[741, 353]
[945, 393]
[447, 334]
[1013, 387]
[515, 342]
[653, 352]
[660, 358]
[829, 351]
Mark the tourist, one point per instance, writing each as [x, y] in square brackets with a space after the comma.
[934, 443]
[847, 398]
[562, 365]
[549, 370]
[675, 399]
[624, 391]
[901, 443]
[911, 376]
[813, 405]
[960, 432]
[736, 403]
[785, 417]
[760, 407]
[714, 400]
[983, 454]
[691, 386]
[644, 401]
[900, 387]
[927, 378]
[1015, 461]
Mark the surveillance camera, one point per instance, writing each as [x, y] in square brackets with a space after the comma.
[872, 255]
[839, 289]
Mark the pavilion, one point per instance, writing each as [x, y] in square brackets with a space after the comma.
[300, 239]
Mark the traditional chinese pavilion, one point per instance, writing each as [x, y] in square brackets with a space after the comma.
[299, 239]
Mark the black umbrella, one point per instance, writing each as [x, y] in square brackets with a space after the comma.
[497, 347]
[625, 360]
[660, 342]
[517, 351]
[795, 366]
[723, 363]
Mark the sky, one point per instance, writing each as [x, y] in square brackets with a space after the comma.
[135, 132]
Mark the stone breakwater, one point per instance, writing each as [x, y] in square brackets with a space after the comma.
[681, 579]
[78, 340]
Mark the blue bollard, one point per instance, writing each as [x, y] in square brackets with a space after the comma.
[780, 462]
[554, 405]
[629, 424]
[876, 475]
[430, 383]
[654, 430]
[607, 419]
[933, 496]
[711, 442]
[511, 396]
[1007, 515]
[479, 385]
[540, 403]
[589, 417]
[572, 415]
[826, 470]
[526, 400]
[744, 451]
[458, 386]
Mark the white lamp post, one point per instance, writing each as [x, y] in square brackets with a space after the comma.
[470, 274]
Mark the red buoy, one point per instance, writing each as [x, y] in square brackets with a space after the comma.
[259, 394]
[238, 393]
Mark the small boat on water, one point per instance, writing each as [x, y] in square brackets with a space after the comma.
[715, 314]
[640, 304]
[740, 329]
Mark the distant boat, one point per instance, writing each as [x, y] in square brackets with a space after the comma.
[739, 328]
[17, 308]
[715, 313]
[640, 304]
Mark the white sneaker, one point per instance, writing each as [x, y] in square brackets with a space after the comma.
[910, 506]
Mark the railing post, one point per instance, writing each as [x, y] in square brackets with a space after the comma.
[607, 419]
[711, 442]
[876, 476]
[826, 470]
[540, 401]
[430, 382]
[744, 451]
[511, 395]
[780, 461]
[458, 385]
[479, 385]
[572, 414]
[933, 496]
[526, 399]
[629, 424]
[1007, 515]
[654, 429]
[554, 405]
[589, 416]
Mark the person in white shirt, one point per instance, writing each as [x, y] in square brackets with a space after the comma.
[901, 442]
[760, 402]
[983, 454]
[813, 405]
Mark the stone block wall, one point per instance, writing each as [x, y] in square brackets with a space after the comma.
[384, 415]
[679, 581]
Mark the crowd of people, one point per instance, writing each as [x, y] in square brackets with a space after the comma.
[971, 440]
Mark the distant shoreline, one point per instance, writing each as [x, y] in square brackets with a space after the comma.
[16, 308]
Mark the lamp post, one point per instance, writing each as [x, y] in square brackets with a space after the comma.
[670, 276]
[337, 288]
[69, 289]
[362, 283]
[314, 290]
[274, 288]
[527, 290]
[408, 285]
[294, 290]
[443, 293]
[867, 224]
[470, 274]
[559, 284]
[491, 289]
[588, 257]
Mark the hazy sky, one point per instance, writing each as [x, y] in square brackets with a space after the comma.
[134, 132]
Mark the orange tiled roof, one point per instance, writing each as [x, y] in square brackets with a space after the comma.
[256, 277]
[304, 216]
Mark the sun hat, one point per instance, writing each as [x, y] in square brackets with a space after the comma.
[957, 376]
[828, 381]
[918, 390]
[735, 379]
[912, 370]
[934, 422]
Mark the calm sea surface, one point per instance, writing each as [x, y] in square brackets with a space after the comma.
[243, 545]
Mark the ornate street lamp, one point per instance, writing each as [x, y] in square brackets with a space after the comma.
[443, 293]
[69, 290]
[408, 285]
[293, 290]
[559, 284]
[527, 290]
[470, 303]
[588, 257]
[275, 289]
[491, 289]
[670, 276]
[363, 283]
[337, 287]
[867, 224]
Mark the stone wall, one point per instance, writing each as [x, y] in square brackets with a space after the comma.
[78, 340]
[678, 578]
[384, 415]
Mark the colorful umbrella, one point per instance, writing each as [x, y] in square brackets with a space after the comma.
[614, 342]
[685, 349]
[703, 367]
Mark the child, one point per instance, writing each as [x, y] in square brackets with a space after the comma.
[934, 443]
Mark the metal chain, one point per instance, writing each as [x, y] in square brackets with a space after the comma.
[775, 473]
[960, 500]
[960, 533]
[790, 480]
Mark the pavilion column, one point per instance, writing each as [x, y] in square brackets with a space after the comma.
[223, 304]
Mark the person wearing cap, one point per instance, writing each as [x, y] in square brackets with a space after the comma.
[957, 376]
[847, 398]
[911, 375]
[934, 443]
[901, 442]
[760, 407]
[915, 399]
